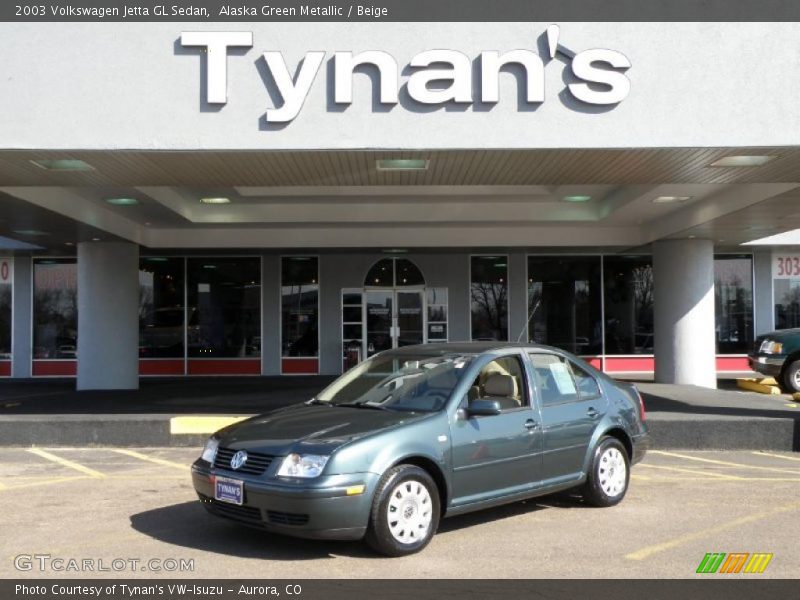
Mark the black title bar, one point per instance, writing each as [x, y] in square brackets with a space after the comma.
[398, 10]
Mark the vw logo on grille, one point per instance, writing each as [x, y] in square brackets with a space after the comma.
[238, 459]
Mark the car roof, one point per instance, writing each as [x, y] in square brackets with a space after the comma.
[461, 348]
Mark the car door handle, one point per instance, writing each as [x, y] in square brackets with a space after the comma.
[531, 424]
[592, 413]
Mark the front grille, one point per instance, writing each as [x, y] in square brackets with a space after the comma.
[256, 463]
[282, 518]
[245, 514]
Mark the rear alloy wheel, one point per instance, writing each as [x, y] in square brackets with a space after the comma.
[405, 512]
[609, 474]
[789, 381]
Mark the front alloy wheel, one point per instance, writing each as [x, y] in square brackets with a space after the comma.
[609, 474]
[405, 512]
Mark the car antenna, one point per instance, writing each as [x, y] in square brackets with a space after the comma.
[528, 322]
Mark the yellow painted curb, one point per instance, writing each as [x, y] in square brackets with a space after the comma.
[763, 386]
[201, 424]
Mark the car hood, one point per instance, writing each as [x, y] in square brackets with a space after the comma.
[310, 428]
[781, 335]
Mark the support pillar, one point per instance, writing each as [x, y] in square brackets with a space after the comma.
[108, 316]
[683, 281]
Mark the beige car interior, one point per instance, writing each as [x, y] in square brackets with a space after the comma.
[500, 380]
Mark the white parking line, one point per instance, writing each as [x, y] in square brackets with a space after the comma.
[152, 459]
[722, 462]
[66, 463]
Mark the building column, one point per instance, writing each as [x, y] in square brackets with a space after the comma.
[22, 317]
[683, 282]
[108, 321]
[764, 308]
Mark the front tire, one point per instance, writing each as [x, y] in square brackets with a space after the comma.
[789, 381]
[609, 474]
[405, 512]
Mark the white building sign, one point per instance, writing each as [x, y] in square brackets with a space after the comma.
[437, 76]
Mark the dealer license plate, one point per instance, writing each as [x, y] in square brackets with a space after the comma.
[228, 490]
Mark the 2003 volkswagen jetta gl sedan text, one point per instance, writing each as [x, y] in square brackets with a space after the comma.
[419, 433]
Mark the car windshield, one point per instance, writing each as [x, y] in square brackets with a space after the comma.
[421, 382]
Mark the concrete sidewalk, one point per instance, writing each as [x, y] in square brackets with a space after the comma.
[51, 412]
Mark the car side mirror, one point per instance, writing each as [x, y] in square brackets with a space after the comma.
[483, 408]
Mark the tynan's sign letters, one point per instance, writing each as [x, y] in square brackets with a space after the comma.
[600, 73]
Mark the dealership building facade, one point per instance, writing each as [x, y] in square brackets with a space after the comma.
[220, 199]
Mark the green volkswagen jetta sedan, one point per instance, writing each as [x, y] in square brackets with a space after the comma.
[419, 433]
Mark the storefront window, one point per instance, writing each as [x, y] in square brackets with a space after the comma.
[223, 307]
[787, 303]
[489, 295]
[299, 306]
[55, 308]
[628, 304]
[733, 296]
[352, 327]
[161, 311]
[565, 304]
[437, 314]
[5, 311]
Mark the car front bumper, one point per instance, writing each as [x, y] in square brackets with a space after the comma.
[769, 365]
[319, 509]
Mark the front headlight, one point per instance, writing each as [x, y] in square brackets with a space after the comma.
[303, 465]
[210, 450]
[770, 347]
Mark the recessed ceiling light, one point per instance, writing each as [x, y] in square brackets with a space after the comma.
[69, 243]
[577, 198]
[668, 199]
[122, 201]
[215, 200]
[394, 251]
[209, 266]
[63, 164]
[156, 259]
[32, 232]
[691, 237]
[742, 161]
[95, 239]
[402, 164]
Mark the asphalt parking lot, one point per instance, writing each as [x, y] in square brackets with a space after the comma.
[116, 503]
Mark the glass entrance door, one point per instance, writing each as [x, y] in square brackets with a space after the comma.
[379, 305]
[393, 318]
[410, 325]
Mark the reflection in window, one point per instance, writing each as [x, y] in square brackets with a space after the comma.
[5, 321]
[223, 307]
[299, 306]
[489, 295]
[394, 272]
[628, 304]
[733, 295]
[161, 312]
[787, 303]
[55, 308]
[381, 274]
[564, 303]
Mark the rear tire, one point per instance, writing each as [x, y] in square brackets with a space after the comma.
[405, 512]
[609, 474]
[789, 381]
